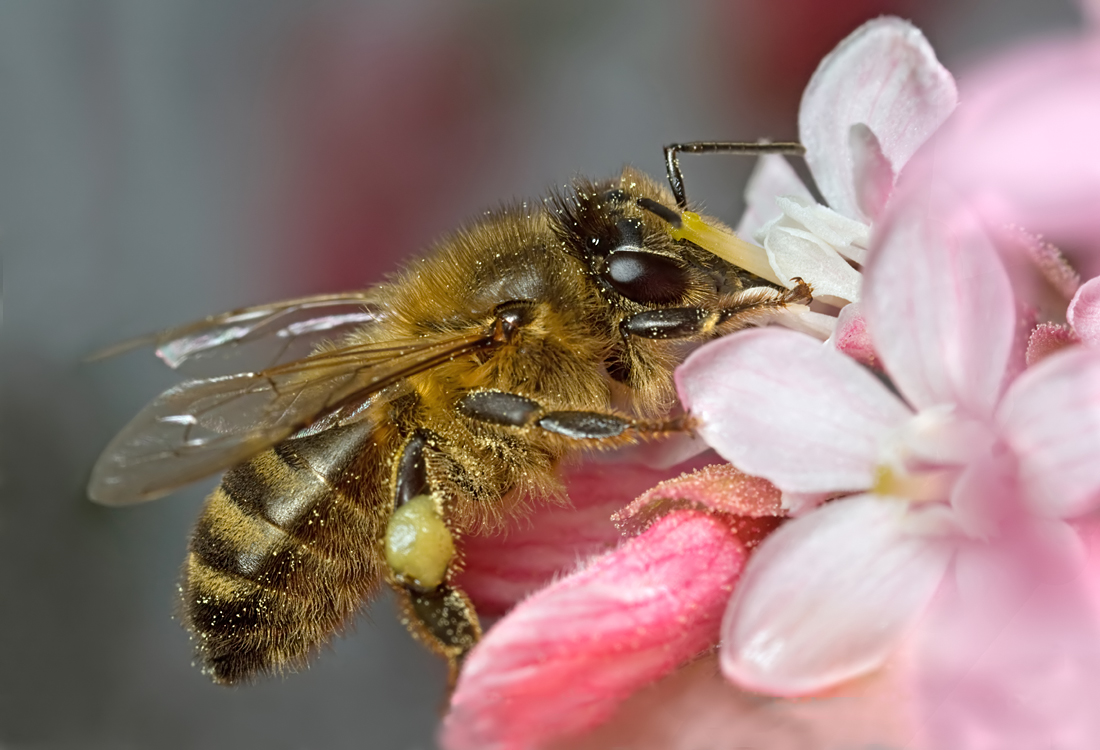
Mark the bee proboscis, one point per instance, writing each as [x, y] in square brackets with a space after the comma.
[390, 423]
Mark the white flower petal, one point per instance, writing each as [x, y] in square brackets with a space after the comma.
[772, 177]
[782, 406]
[795, 252]
[1051, 419]
[801, 318]
[847, 236]
[885, 75]
[939, 306]
[828, 596]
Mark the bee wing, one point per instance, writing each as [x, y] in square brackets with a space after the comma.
[204, 426]
[263, 336]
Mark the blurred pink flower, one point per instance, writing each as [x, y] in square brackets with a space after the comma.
[1021, 670]
[1082, 325]
[1022, 148]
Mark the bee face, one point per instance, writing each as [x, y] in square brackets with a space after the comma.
[425, 410]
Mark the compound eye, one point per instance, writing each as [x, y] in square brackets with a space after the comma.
[645, 277]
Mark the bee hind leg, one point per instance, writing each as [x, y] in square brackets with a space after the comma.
[420, 551]
[443, 619]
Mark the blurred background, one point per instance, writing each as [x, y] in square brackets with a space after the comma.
[161, 161]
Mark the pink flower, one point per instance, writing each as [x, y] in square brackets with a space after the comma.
[972, 473]
[871, 103]
[542, 672]
[830, 594]
[1082, 325]
[1021, 670]
[1041, 105]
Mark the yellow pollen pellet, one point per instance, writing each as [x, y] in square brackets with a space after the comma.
[419, 546]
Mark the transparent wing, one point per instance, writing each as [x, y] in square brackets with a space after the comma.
[204, 426]
[256, 338]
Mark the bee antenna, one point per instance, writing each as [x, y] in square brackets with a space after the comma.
[661, 211]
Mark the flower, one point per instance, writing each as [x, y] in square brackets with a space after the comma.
[1019, 668]
[1083, 325]
[541, 673]
[894, 95]
[1040, 105]
[830, 594]
[986, 472]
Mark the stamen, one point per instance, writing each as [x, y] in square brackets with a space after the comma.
[930, 485]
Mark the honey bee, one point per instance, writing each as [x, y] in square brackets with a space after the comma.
[427, 408]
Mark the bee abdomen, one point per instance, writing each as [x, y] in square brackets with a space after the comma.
[283, 554]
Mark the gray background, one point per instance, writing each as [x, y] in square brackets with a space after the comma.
[160, 161]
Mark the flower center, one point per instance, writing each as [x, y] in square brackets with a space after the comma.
[923, 460]
[920, 485]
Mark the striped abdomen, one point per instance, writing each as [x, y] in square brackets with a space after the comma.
[285, 551]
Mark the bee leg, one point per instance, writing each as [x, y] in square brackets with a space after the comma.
[742, 309]
[672, 158]
[444, 619]
[419, 550]
[611, 428]
[513, 410]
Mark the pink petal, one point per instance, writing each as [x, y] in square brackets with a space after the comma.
[829, 596]
[697, 709]
[1088, 530]
[1042, 279]
[563, 660]
[771, 178]
[985, 495]
[851, 337]
[1084, 312]
[1027, 137]
[885, 76]
[782, 406]
[939, 305]
[1050, 417]
[1010, 660]
[751, 506]
[1046, 339]
[501, 569]
[873, 175]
